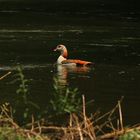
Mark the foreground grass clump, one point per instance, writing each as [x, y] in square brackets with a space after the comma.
[132, 135]
[79, 127]
[8, 133]
[10, 130]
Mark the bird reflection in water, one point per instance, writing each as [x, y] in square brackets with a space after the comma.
[66, 99]
[64, 70]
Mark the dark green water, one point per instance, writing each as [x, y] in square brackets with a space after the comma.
[109, 39]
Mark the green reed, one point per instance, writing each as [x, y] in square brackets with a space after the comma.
[133, 135]
[65, 99]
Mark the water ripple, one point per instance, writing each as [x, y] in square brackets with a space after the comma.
[37, 31]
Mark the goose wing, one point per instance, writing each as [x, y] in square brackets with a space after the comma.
[77, 62]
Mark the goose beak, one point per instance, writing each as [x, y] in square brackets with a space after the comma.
[55, 50]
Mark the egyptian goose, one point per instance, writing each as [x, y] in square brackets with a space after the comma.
[62, 59]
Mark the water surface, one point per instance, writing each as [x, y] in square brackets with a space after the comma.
[108, 39]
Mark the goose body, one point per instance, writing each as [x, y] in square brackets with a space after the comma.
[62, 59]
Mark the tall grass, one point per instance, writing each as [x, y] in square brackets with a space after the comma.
[79, 127]
[65, 100]
[23, 107]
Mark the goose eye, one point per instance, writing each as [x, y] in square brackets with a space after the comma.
[59, 46]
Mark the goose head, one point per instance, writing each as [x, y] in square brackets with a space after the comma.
[62, 49]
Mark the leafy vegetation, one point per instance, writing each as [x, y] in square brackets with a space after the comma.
[65, 100]
[23, 106]
[7, 133]
[133, 135]
[23, 84]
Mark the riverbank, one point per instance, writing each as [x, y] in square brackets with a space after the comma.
[79, 127]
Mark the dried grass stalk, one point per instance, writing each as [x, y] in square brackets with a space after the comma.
[80, 126]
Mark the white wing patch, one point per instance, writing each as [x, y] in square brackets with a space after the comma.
[60, 59]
